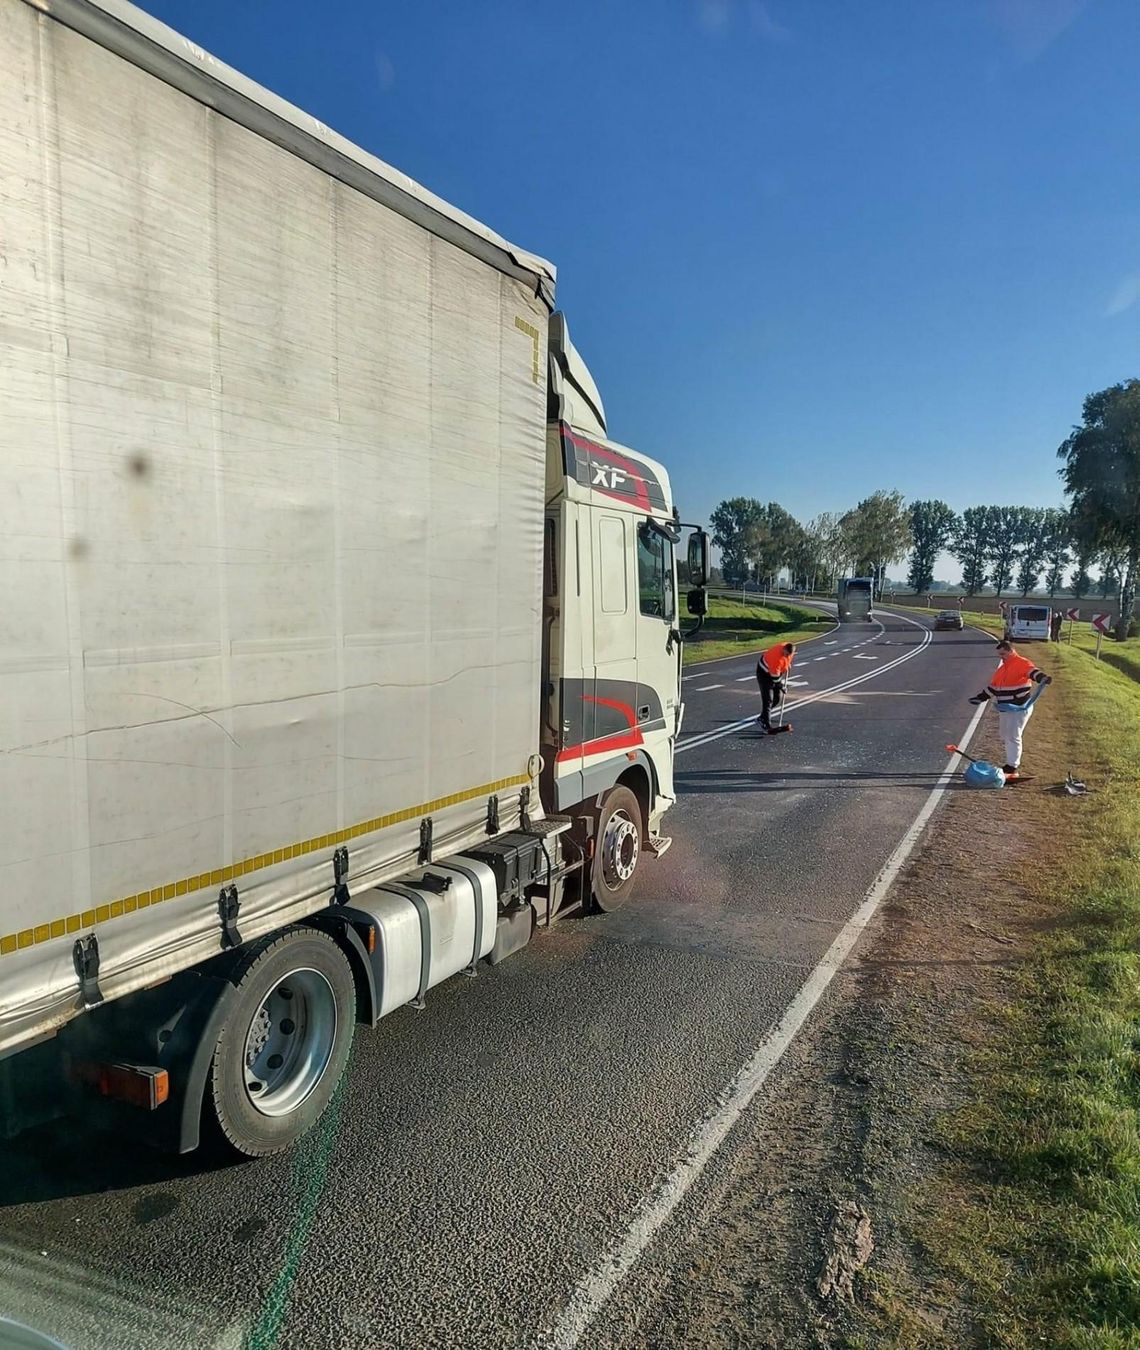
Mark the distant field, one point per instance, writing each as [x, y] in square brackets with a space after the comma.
[733, 628]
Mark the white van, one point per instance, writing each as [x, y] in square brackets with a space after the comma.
[1026, 623]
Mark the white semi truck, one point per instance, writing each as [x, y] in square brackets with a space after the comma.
[339, 645]
[856, 599]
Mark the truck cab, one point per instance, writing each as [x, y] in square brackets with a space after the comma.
[856, 599]
[611, 705]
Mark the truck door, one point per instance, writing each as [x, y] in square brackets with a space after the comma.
[611, 715]
[657, 652]
[631, 703]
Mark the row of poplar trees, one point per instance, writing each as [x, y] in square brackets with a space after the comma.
[1006, 548]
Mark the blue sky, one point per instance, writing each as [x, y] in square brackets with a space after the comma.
[808, 249]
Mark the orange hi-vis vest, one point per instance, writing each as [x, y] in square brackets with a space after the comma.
[1013, 680]
[776, 661]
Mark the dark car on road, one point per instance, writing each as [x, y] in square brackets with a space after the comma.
[949, 618]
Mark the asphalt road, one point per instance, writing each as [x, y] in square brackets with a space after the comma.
[488, 1153]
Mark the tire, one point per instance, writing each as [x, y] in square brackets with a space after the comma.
[272, 1074]
[617, 849]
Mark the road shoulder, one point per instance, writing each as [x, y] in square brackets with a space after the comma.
[824, 1222]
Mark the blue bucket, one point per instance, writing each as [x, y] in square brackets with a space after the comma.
[983, 775]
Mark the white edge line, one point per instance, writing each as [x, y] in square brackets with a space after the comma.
[595, 1290]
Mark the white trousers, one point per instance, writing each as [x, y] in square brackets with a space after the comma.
[1011, 724]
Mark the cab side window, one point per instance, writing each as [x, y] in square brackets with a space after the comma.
[655, 575]
[614, 559]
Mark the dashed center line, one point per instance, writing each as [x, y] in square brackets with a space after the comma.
[860, 657]
[704, 689]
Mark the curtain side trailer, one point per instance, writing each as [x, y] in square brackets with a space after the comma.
[340, 645]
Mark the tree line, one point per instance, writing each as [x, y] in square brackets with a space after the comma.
[1011, 549]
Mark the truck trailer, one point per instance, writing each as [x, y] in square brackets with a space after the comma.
[340, 645]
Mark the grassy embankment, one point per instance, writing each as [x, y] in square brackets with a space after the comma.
[733, 628]
[1051, 1246]
[1123, 656]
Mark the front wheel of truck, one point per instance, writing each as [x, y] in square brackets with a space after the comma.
[286, 1041]
[617, 849]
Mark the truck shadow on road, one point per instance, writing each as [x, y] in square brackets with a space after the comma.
[776, 780]
[67, 1159]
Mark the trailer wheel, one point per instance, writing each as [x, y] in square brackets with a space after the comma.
[617, 849]
[285, 1044]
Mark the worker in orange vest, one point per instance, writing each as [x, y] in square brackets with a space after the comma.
[772, 672]
[1011, 690]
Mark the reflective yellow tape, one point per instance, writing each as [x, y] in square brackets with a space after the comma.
[536, 342]
[89, 918]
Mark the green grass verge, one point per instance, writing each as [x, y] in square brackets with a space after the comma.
[734, 628]
[1054, 1246]
[1123, 656]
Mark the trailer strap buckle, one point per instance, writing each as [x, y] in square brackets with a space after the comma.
[229, 907]
[340, 876]
[85, 954]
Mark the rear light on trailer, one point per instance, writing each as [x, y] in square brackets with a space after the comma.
[136, 1084]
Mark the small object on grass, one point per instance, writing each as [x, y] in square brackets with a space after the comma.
[1073, 786]
[985, 932]
[847, 1250]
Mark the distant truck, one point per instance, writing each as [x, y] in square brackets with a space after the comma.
[856, 599]
[340, 644]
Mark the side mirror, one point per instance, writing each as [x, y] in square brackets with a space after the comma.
[698, 603]
[698, 559]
